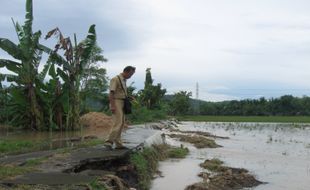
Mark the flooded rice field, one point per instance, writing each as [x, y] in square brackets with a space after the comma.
[278, 154]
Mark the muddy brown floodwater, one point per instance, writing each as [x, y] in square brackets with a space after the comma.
[278, 154]
[93, 124]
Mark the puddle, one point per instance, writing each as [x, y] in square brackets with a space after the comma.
[278, 154]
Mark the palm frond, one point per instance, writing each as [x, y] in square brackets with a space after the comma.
[88, 45]
[45, 49]
[12, 78]
[63, 75]
[10, 65]
[18, 29]
[52, 71]
[43, 73]
[11, 48]
[29, 18]
[59, 60]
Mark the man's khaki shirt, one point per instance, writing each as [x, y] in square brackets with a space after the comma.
[116, 87]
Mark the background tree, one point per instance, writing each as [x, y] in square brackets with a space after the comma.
[180, 103]
[151, 95]
[94, 82]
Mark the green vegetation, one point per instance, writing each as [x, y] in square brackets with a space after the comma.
[32, 103]
[286, 105]
[146, 162]
[177, 152]
[141, 114]
[96, 185]
[77, 85]
[277, 119]
[35, 162]
[88, 143]
[151, 95]
[22, 146]
[197, 140]
[180, 103]
[214, 165]
[11, 146]
[11, 171]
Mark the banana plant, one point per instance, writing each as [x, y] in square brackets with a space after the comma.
[71, 68]
[25, 101]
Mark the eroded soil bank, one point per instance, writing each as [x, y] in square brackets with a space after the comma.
[130, 170]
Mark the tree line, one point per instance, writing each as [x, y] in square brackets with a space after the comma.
[286, 105]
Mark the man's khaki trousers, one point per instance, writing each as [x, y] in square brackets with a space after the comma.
[118, 123]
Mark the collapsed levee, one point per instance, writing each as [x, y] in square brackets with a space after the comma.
[134, 170]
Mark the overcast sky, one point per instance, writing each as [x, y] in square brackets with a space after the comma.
[233, 49]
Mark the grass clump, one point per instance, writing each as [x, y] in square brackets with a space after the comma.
[143, 170]
[96, 185]
[214, 165]
[196, 140]
[146, 162]
[179, 152]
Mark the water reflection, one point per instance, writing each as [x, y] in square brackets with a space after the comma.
[54, 139]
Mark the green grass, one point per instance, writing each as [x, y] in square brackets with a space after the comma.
[95, 185]
[7, 171]
[11, 171]
[22, 146]
[13, 146]
[143, 169]
[271, 119]
[178, 152]
[35, 161]
[213, 165]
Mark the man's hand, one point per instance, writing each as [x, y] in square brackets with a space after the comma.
[133, 99]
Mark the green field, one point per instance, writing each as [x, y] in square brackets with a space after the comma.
[271, 119]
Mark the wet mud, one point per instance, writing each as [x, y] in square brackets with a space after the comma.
[197, 140]
[222, 177]
[201, 133]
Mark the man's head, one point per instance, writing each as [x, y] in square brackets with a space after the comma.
[128, 71]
